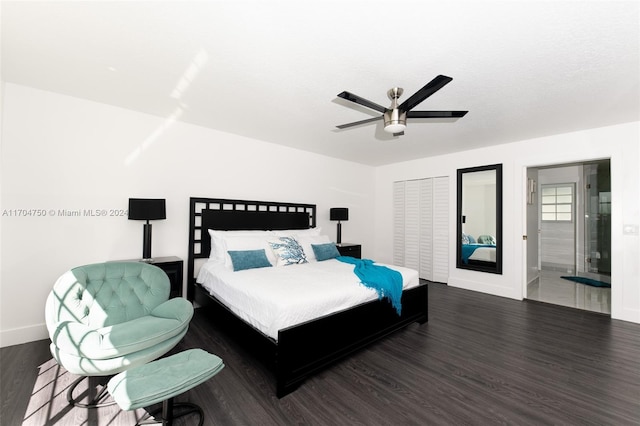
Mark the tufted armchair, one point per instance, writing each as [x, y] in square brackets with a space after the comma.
[105, 318]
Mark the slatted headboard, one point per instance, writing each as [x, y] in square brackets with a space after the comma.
[225, 214]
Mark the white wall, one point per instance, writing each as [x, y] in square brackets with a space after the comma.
[63, 153]
[620, 143]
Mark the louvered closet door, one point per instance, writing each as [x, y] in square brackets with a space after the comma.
[426, 225]
[441, 229]
[412, 229]
[421, 227]
[398, 223]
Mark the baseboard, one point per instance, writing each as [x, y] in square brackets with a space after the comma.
[494, 290]
[626, 314]
[18, 336]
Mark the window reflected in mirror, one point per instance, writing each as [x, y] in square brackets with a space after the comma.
[479, 218]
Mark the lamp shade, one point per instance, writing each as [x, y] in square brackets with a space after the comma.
[339, 213]
[147, 209]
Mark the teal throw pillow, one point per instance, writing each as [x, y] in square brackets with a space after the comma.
[248, 259]
[325, 251]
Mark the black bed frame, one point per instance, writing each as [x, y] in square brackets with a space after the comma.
[303, 349]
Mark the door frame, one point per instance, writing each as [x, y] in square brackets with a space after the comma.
[579, 197]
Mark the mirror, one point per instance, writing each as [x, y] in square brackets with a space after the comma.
[479, 219]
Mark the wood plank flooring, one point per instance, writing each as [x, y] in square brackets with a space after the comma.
[480, 360]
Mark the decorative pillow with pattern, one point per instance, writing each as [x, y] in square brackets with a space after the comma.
[288, 251]
[465, 239]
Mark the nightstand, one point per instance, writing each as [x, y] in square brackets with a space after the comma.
[349, 249]
[173, 266]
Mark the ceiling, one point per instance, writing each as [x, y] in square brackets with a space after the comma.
[271, 70]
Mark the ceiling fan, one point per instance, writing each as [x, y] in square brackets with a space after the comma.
[395, 117]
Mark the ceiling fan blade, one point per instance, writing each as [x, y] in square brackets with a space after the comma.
[361, 101]
[436, 114]
[429, 89]
[356, 123]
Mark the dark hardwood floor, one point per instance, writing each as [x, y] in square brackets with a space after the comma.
[480, 360]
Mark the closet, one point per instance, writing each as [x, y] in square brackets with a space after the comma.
[421, 226]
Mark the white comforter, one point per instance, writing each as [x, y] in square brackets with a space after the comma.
[274, 298]
[486, 254]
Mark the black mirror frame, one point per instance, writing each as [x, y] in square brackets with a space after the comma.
[484, 267]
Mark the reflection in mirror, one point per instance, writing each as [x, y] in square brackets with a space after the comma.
[479, 219]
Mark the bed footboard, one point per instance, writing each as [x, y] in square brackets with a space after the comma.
[311, 346]
[307, 348]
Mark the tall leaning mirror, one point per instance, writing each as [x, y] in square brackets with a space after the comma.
[479, 246]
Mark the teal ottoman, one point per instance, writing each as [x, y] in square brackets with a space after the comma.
[162, 380]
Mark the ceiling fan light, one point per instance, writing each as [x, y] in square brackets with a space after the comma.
[395, 127]
[395, 121]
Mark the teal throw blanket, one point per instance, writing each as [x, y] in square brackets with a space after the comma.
[385, 281]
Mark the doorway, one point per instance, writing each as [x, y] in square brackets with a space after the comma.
[569, 235]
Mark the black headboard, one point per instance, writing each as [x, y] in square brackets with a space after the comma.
[229, 215]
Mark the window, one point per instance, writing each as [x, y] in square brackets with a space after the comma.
[557, 202]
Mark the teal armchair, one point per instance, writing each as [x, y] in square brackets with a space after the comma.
[105, 318]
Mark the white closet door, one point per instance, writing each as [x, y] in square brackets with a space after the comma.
[412, 224]
[398, 223]
[426, 229]
[421, 227]
[441, 229]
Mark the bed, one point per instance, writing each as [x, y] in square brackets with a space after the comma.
[296, 351]
[480, 251]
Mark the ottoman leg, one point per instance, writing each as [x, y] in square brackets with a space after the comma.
[167, 412]
[95, 400]
[184, 408]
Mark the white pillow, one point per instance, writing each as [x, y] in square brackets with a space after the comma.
[218, 251]
[306, 240]
[298, 232]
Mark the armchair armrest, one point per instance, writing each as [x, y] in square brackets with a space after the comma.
[74, 337]
[177, 308]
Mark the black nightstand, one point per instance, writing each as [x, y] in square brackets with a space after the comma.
[349, 249]
[173, 266]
